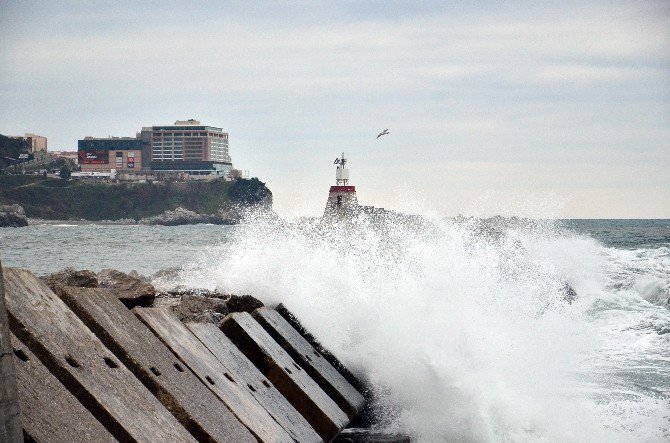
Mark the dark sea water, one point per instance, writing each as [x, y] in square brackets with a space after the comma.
[461, 327]
[624, 234]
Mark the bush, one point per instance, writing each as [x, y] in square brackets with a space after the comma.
[247, 192]
[65, 173]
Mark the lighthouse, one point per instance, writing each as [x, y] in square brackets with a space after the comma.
[342, 201]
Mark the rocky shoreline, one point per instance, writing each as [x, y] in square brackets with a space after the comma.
[14, 216]
[133, 289]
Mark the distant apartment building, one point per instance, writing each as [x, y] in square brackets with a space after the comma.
[187, 147]
[36, 143]
[105, 154]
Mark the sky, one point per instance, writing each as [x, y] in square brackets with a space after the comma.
[540, 109]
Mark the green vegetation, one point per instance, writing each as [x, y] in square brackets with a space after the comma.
[65, 173]
[10, 148]
[57, 199]
[249, 191]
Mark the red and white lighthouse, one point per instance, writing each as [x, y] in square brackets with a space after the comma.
[342, 199]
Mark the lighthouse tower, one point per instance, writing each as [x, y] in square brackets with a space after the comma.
[342, 199]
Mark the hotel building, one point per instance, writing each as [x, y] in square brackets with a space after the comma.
[188, 147]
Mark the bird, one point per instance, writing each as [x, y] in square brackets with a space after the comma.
[384, 132]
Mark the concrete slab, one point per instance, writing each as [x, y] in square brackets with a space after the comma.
[71, 352]
[322, 372]
[202, 413]
[49, 412]
[330, 358]
[10, 421]
[288, 377]
[245, 373]
[210, 371]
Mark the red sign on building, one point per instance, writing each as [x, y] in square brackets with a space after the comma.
[99, 157]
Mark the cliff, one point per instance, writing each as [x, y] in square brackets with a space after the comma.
[56, 199]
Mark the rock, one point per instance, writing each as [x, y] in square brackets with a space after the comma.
[569, 294]
[181, 291]
[130, 290]
[71, 277]
[200, 309]
[12, 216]
[208, 317]
[179, 216]
[203, 305]
[243, 303]
[165, 302]
[139, 276]
[358, 435]
[166, 279]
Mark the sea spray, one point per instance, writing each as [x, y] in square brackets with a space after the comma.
[462, 327]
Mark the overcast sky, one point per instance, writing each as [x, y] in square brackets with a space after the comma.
[547, 109]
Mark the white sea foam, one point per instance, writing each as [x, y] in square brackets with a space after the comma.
[462, 327]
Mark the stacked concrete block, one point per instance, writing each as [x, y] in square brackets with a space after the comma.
[99, 381]
[49, 412]
[213, 374]
[10, 423]
[331, 381]
[178, 389]
[287, 376]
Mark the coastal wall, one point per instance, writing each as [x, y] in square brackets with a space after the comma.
[104, 357]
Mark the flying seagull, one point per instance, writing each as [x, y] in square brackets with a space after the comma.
[384, 132]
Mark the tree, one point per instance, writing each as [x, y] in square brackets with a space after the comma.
[10, 149]
[65, 172]
[248, 191]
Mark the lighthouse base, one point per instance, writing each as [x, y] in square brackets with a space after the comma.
[342, 202]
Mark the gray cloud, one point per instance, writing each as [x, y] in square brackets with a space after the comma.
[562, 101]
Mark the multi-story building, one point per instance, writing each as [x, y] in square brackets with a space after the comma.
[36, 143]
[105, 154]
[188, 147]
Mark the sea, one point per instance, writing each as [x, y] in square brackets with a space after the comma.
[465, 329]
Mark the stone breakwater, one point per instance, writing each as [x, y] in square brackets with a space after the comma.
[107, 357]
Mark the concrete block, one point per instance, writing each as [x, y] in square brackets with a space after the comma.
[322, 372]
[71, 352]
[288, 377]
[245, 373]
[330, 358]
[210, 371]
[49, 412]
[175, 386]
[10, 422]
